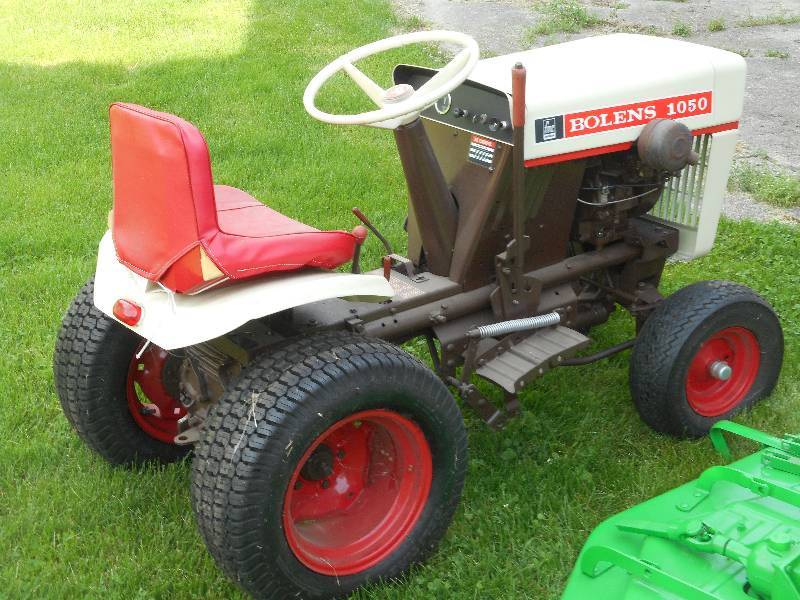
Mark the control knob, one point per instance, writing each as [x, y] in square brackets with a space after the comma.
[480, 119]
[496, 125]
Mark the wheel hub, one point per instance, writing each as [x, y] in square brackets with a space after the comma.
[319, 465]
[357, 492]
[151, 404]
[722, 371]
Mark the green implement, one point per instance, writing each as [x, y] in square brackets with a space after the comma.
[732, 534]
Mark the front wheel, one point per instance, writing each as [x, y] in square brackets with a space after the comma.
[117, 392]
[709, 351]
[337, 460]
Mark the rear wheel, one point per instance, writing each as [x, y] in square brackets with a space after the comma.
[709, 351]
[336, 461]
[118, 393]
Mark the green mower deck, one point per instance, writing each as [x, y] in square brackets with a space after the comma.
[732, 534]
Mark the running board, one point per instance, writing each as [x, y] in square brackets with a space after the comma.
[513, 365]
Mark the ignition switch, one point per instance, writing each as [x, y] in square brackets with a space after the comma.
[495, 125]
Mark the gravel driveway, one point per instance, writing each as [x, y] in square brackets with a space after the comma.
[770, 126]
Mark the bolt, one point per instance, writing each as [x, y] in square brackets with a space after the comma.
[721, 370]
[340, 454]
[325, 484]
[298, 484]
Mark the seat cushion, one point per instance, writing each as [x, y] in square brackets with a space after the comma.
[238, 213]
[254, 239]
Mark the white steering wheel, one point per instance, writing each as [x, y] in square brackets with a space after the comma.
[400, 103]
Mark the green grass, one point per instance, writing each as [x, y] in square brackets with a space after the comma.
[562, 16]
[776, 54]
[778, 189]
[71, 526]
[682, 29]
[743, 52]
[623, 27]
[716, 25]
[614, 5]
[770, 20]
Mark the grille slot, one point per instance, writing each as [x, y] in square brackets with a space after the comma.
[682, 198]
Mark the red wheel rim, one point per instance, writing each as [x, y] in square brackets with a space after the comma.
[739, 349]
[360, 495]
[152, 406]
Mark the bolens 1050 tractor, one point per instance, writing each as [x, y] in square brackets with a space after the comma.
[546, 188]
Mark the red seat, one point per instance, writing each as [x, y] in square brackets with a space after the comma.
[171, 224]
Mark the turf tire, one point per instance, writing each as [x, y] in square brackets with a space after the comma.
[256, 434]
[674, 333]
[90, 367]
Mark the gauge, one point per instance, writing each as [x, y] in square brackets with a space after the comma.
[442, 105]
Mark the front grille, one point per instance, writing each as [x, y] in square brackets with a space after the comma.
[682, 198]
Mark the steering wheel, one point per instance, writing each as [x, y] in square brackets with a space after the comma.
[399, 104]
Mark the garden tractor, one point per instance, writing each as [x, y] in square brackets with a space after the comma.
[546, 188]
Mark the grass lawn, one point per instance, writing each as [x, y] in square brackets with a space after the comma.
[72, 527]
[778, 189]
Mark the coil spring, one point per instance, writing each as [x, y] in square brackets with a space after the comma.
[504, 327]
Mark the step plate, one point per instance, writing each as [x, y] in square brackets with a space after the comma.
[513, 368]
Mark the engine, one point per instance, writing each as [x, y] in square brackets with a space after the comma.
[615, 188]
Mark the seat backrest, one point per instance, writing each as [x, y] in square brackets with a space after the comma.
[163, 189]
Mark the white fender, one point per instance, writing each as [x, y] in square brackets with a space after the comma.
[173, 320]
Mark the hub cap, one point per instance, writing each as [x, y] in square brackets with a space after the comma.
[152, 406]
[723, 371]
[357, 492]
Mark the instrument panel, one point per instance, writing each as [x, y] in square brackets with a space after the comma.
[471, 106]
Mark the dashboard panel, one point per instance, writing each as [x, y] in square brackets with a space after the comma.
[471, 106]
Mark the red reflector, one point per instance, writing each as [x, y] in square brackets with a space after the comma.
[127, 312]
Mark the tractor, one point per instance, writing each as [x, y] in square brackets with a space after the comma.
[546, 189]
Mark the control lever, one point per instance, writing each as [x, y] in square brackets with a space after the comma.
[390, 255]
[360, 233]
[363, 218]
